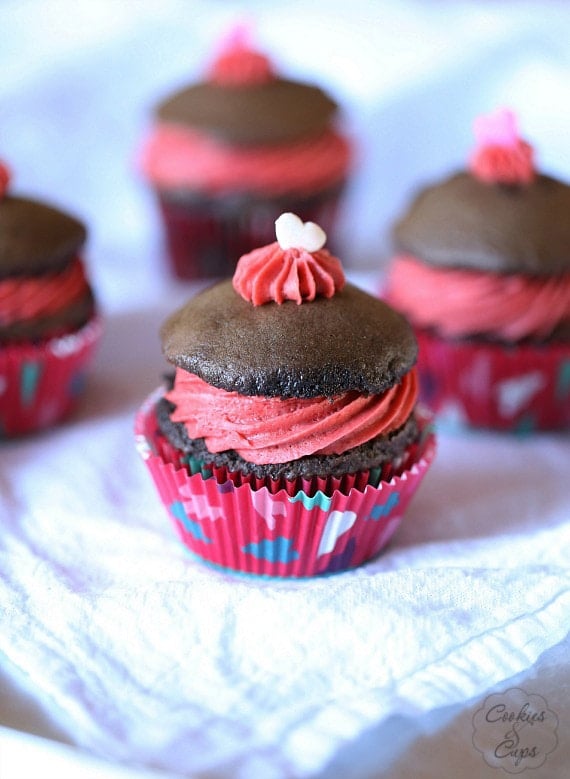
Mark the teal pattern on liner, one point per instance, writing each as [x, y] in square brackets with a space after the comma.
[374, 476]
[194, 528]
[275, 550]
[319, 499]
[525, 425]
[386, 508]
[29, 379]
[197, 466]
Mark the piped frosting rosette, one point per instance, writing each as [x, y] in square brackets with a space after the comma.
[238, 62]
[501, 156]
[263, 510]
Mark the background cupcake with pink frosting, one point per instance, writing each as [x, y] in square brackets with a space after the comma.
[225, 156]
[289, 441]
[49, 325]
[482, 270]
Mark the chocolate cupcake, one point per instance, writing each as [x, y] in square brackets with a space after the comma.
[482, 270]
[48, 320]
[289, 441]
[230, 153]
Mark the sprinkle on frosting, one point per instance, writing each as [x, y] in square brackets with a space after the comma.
[501, 156]
[4, 179]
[292, 232]
[295, 267]
[238, 63]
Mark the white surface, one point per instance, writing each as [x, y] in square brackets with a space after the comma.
[138, 654]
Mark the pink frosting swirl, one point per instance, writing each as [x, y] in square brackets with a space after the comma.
[174, 157]
[464, 302]
[274, 430]
[239, 64]
[23, 298]
[273, 274]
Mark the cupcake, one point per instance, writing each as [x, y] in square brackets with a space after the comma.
[482, 270]
[48, 320]
[289, 441]
[228, 154]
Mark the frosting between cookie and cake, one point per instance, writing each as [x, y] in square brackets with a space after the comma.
[273, 430]
[275, 274]
[460, 302]
[24, 298]
[176, 157]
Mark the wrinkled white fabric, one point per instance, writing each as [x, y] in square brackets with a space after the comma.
[146, 656]
[140, 654]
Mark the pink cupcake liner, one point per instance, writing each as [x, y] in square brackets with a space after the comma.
[516, 388]
[206, 237]
[252, 529]
[40, 383]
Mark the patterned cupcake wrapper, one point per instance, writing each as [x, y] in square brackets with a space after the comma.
[205, 237]
[520, 388]
[41, 383]
[284, 531]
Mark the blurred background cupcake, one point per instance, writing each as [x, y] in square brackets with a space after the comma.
[482, 270]
[48, 320]
[290, 441]
[228, 154]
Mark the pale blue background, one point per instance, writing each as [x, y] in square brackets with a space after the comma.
[77, 82]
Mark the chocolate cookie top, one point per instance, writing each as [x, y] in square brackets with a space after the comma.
[35, 237]
[464, 222]
[351, 341]
[274, 112]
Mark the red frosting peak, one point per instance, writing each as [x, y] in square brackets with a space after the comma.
[5, 177]
[295, 267]
[238, 63]
[273, 274]
[501, 156]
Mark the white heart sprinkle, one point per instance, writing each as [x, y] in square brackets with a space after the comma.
[293, 233]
